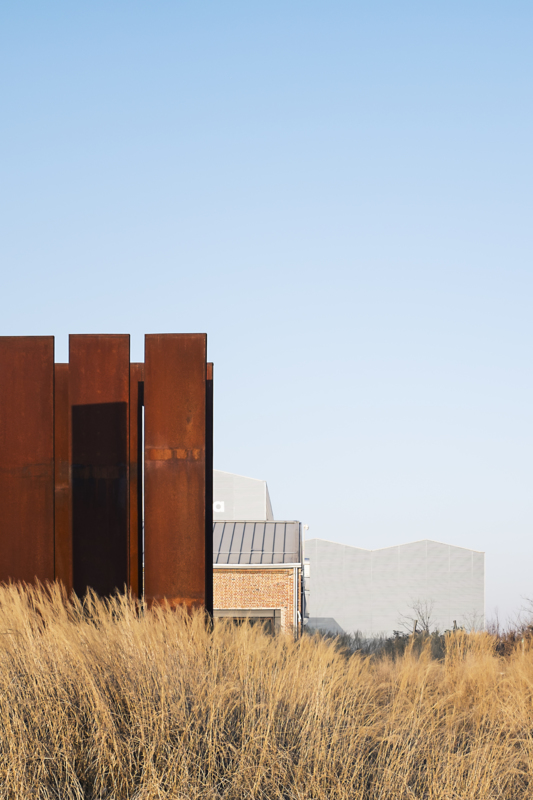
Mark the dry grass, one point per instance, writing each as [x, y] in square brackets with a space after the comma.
[103, 702]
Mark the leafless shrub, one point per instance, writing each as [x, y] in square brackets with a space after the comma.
[419, 617]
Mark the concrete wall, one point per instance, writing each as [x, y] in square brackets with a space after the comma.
[370, 590]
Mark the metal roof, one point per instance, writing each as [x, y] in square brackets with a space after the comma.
[256, 542]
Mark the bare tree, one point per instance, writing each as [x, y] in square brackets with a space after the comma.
[525, 615]
[473, 622]
[419, 618]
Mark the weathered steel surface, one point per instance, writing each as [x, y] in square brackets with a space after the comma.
[63, 528]
[136, 460]
[175, 469]
[99, 383]
[209, 490]
[26, 458]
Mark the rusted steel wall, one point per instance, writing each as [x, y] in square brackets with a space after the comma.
[175, 469]
[136, 461]
[99, 384]
[26, 458]
[63, 527]
[71, 490]
[209, 489]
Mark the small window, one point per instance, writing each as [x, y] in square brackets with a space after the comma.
[268, 618]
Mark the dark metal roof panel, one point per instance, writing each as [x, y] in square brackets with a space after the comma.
[240, 542]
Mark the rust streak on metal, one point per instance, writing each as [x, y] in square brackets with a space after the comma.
[99, 386]
[175, 486]
[135, 446]
[174, 453]
[27, 458]
[62, 522]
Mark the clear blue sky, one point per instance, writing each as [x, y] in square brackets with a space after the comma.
[340, 194]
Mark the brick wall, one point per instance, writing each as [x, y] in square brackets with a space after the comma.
[256, 588]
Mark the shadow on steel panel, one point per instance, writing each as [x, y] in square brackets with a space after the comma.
[99, 385]
[136, 460]
[175, 469]
[63, 527]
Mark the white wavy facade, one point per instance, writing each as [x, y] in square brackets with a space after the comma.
[374, 591]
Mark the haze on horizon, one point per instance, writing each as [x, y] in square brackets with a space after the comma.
[340, 195]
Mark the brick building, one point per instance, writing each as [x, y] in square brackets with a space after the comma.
[258, 572]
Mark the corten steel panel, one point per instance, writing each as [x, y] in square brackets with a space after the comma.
[136, 460]
[99, 387]
[175, 469]
[209, 490]
[63, 528]
[26, 458]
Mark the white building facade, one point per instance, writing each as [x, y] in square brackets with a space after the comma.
[374, 591]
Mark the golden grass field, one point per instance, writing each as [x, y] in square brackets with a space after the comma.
[103, 702]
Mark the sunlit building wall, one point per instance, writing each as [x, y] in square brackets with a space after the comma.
[375, 591]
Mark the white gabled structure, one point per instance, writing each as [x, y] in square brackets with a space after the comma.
[238, 497]
[352, 589]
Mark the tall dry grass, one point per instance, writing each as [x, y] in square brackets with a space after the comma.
[99, 701]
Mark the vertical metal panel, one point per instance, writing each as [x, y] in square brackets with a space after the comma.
[209, 442]
[221, 541]
[135, 445]
[175, 469]
[236, 543]
[99, 386]
[269, 543]
[247, 543]
[257, 552]
[63, 528]
[26, 458]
